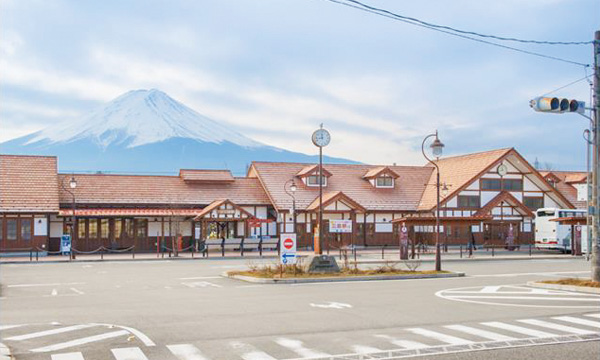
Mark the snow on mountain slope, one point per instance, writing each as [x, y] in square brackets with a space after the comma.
[141, 117]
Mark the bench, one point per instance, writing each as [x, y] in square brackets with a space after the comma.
[242, 244]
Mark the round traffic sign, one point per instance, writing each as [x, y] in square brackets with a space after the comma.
[288, 243]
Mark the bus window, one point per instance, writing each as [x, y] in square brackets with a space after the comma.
[545, 213]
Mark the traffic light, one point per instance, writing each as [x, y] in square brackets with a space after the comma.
[557, 105]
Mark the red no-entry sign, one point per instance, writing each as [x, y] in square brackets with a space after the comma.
[288, 243]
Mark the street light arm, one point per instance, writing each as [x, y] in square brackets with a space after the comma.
[62, 184]
[425, 155]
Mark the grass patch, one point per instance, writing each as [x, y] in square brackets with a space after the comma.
[574, 282]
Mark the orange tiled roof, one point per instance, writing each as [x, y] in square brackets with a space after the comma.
[333, 196]
[144, 189]
[347, 178]
[206, 175]
[312, 169]
[504, 196]
[378, 170]
[28, 184]
[130, 212]
[565, 187]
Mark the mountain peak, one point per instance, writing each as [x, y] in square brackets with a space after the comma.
[140, 117]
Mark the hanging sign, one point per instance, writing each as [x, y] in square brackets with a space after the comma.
[340, 226]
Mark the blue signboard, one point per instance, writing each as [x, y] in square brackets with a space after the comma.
[65, 244]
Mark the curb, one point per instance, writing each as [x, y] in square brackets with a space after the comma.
[340, 279]
[76, 261]
[5, 352]
[466, 259]
[580, 289]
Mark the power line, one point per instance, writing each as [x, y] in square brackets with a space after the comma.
[565, 86]
[393, 16]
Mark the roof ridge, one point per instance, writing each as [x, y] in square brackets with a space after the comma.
[477, 153]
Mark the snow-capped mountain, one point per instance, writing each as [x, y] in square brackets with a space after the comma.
[148, 131]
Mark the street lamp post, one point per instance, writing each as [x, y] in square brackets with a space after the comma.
[72, 186]
[436, 149]
[293, 189]
[320, 138]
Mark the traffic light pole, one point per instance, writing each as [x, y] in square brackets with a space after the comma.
[596, 158]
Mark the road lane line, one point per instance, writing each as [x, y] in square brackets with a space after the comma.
[68, 356]
[554, 326]
[521, 298]
[79, 292]
[81, 341]
[6, 327]
[257, 355]
[579, 321]
[49, 332]
[132, 353]
[531, 273]
[593, 315]
[298, 347]
[361, 349]
[49, 284]
[519, 329]
[481, 333]
[200, 277]
[452, 340]
[406, 344]
[186, 352]
[490, 289]
[140, 335]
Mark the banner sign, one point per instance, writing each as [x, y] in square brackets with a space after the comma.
[340, 226]
[65, 244]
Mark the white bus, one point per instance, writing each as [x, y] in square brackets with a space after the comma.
[552, 235]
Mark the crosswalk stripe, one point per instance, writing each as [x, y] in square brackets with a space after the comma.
[406, 344]
[579, 321]
[481, 333]
[132, 353]
[68, 356]
[555, 326]
[593, 315]
[519, 329]
[81, 341]
[361, 349]
[439, 336]
[298, 347]
[49, 332]
[257, 355]
[186, 352]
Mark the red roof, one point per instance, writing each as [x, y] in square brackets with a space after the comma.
[130, 212]
[405, 195]
[28, 184]
[206, 175]
[158, 190]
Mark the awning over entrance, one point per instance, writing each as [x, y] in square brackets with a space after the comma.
[223, 210]
[331, 200]
[508, 198]
[571, 220]
[129, 212]
[425, 220]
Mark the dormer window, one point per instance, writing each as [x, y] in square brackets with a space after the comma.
[310, 175]
[313, 180]
[381, 177]
[384, 181]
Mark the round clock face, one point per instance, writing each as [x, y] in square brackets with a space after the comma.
[502, 170]
[321, 137]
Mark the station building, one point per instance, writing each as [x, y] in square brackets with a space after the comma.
[38, 204]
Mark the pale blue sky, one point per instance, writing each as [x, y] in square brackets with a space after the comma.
[275, 69]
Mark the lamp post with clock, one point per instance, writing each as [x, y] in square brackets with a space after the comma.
[320, 138]
[502, 170]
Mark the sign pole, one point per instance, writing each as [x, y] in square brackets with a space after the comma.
[596, 193]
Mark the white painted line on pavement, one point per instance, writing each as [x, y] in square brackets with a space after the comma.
[406, 344]
[68, 356]
[531, 273]
[132, 353]
[140, 335]
[248, 286]
[50, 284]
[361, 349]
[519, 329]
[200, 284]
[54, 292]
[49, 332]
[481, 333]
[186, 352]
[79, 292]
[6, 327]
[496, 297]
[593, 315]
[81, 341]
[579, 321]
[490, 289]
[249, 352]
[298, 347]
[554, 326]
[452, 340]
[200, 278]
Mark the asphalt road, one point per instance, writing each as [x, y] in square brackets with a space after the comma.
[186, 310]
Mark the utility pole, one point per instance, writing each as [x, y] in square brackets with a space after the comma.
[596, 158]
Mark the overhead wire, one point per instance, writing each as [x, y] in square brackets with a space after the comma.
[565, 86]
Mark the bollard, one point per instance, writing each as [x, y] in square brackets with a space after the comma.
[223, 247]
[529, 249]
[461, 251]
[242, 247]
[260, 248]
[493, 251]
[36, 256]
[102, 254]
[133, 253]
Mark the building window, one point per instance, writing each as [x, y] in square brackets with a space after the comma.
[118, 228]
[313, 180]
[1, 230]
[384, 182]
[490, 184]
[104, 229]
[93, 228]
[141, 229]
[81, 228]
[11, 229]
[513, 184]
[128, 230]
[468, 202]
[533, 203]
[25, 229]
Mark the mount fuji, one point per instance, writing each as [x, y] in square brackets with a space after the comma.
[148, 131]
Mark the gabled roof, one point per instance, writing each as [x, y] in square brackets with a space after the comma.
[550, 175]
[347, 178]
[217, 204]
[312, 170]
[380, 170]
[504, 196]
[333, 196]
[207, 176]
[28, 184]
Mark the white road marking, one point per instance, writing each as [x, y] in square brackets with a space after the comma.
[519, 298]
[54, 292]
[132, 353]
[298, 347]
[481, 333]
[361, 349]
[593, 315]
[490, 289]
[530, 273]
[519, 329]
[452, 340]
[49, 284]
[332, 305]
[200, 278]
[81, 341]
[406, 344]
[79, 292]
[248, 286]
[200, 284]
[6, 327]
[186, 352]
[579, 321]
[249, 352]
[140, 335]
[49, 332]
[554, 326]
[68, 356]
